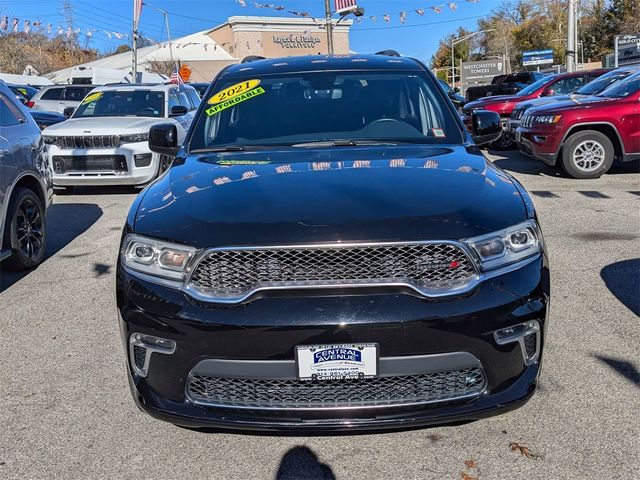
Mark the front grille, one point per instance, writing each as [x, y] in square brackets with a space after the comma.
[87, 141]
[89, 163]
[527, 121]
[378, 391]
[517, 114]
[430, 268]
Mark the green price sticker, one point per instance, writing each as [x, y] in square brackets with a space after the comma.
[217, 108]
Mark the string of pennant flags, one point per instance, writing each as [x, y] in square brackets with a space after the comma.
[12, 25]
[402, 15]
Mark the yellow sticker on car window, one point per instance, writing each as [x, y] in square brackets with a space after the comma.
[218, 107]
[92, 97]
[233, 91]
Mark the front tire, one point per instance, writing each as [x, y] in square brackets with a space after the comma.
[25, 230]
[587, 154]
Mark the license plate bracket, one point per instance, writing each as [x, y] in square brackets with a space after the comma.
[337, 362]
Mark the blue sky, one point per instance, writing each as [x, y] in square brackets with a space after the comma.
[418, 37]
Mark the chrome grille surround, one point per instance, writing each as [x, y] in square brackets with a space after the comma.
[87, 141]
[230, 275]
[527, 121]
[517, 114]
[384, 391]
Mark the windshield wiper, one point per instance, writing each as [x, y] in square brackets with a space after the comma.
[227, 148]
[344, 143]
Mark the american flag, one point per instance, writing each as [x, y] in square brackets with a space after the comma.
[137, 11]
[345, 5]
[175, 77]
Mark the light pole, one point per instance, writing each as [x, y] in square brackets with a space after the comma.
[454, 42]
[166, 20]
[571, 37]
[357, 11]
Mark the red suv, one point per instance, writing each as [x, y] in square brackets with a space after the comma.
[586, 135]
[558, 84]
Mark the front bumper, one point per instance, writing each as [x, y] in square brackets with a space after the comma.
[130, 175]
[268, 330]
[538, 144]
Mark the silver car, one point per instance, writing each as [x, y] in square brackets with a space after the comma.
[56, 98]
[25, 186]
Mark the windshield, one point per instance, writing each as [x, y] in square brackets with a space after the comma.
[302, 108]
[624, 88]
[536, 85]
[122, 103]
[600, 83]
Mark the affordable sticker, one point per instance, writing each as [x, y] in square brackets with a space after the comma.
[233, 91]
[235, 100]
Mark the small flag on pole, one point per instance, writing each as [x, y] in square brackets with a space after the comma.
[342, 5]
[176, 77]
[137, 11]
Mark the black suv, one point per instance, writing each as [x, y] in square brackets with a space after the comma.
[330, 250]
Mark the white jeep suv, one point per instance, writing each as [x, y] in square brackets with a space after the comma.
[105, 142]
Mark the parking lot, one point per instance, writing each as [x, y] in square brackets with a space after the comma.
[66, 411]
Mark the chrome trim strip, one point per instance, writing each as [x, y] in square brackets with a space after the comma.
[519, 338]
[150, 349]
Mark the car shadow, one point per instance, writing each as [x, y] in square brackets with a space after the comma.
[623, 280]
[300, 462]
[622, 367]
[514, 161]
[65, 222]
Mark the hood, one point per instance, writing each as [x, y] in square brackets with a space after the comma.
[496, 99]
[104, 125]
[572, 103]
[538, 102]
[302, 195]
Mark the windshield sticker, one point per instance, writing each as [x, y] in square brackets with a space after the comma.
[233, 91]
[438, 132]
[92, 97]
[235, 100]
[22, 91]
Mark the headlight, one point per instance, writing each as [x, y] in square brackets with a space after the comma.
[156, 257]
[547, 119]
[507, 246]
[135, 138]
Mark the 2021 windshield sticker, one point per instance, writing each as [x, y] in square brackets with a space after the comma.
[92, 97]
[233, 91]
[237, 98]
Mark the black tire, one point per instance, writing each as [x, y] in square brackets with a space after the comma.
[576, 161]
[28, 244]
[505, 142]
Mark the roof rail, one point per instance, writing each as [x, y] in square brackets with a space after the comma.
[389, 53]
[252, 58]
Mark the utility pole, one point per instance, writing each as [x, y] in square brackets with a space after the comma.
[329, 25]
[571, 37]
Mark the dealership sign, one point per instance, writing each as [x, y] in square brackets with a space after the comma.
[296, 41]
[537, 57]
[627, 49]
[481, 72]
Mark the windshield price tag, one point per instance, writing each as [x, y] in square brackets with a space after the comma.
[233, 91]
[438, 132]
[234, 101]
[92, 97]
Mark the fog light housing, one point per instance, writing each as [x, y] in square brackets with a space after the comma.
[527, 334]
[141, 347]
[142, 159]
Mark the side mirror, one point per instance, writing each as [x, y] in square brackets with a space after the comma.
[68, 112]
[456, 90]
[178, 111]
[163, 139]
[486, 127]
[547, 92]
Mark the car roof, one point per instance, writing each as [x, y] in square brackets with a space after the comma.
[599, 71]
[154, 87]
[310, 63]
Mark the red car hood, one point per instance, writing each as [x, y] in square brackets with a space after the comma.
[498, 102]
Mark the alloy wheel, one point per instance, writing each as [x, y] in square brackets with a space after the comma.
[588, 155]
[29, 229]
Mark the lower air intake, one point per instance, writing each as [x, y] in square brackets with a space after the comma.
[379, 391]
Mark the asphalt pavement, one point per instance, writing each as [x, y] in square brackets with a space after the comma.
[66, 410]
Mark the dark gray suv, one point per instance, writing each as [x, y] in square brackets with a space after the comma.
[25, 186]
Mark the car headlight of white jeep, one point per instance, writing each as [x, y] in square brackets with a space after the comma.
[507, 246]
[156, 257]
[135, 138]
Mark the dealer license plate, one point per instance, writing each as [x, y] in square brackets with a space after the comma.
[337, 362]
